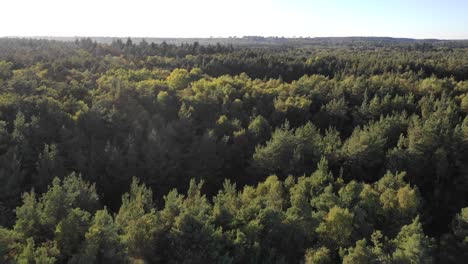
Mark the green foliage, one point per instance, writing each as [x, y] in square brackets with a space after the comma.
[139, 222]
[48, 166]
[27, 254]
[412, 246]
[28, 216]
[10, 245]
[70, 232]
[179, 79]
[273, 151]
[102, 243]
[336, 227]
[5, 70]
[321, 215]
[359, 254]
[260, 128]
[460, 225]
[63, 213]
[289, 151]
[317, 256]
[46, 253]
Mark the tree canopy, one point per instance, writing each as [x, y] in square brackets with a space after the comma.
[312, 151]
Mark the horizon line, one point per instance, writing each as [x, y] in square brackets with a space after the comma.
[230, 37]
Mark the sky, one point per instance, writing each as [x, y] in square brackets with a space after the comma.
[443, 19]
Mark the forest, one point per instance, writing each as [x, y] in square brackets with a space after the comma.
[328, 150]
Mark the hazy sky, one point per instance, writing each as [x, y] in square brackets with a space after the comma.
[205, 18]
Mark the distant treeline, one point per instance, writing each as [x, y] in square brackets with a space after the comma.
[259, 41]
